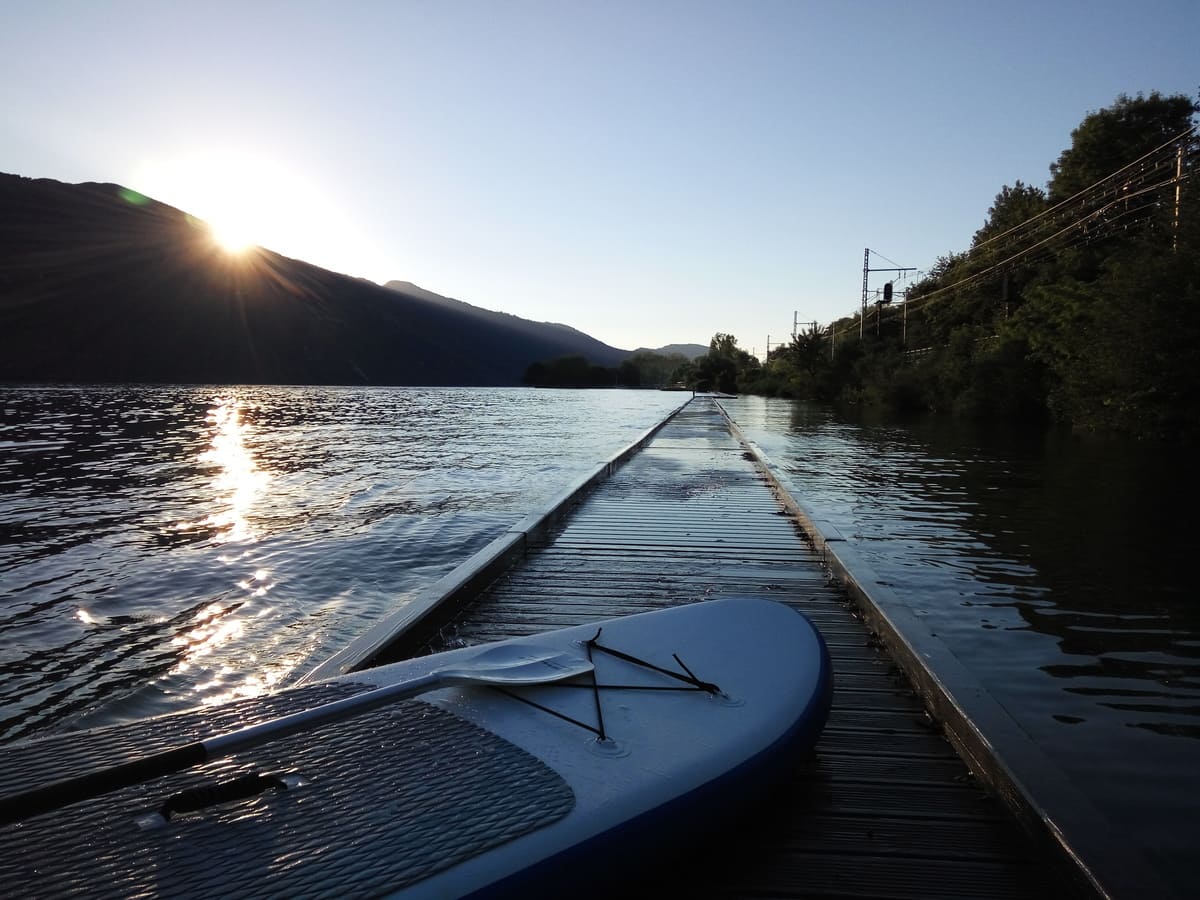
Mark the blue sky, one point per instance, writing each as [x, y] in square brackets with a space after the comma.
[648, 172]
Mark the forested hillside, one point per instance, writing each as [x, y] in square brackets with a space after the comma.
[1077, 302]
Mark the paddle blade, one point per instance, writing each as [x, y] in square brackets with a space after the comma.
[514, 664]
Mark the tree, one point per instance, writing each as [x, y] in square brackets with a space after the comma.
[723, 345]
[1012, 206]
[569, 371]
[654, 369]
[724, 366]
[628, 374]
[1116, 324]
[1110, 139]
[1123, 349]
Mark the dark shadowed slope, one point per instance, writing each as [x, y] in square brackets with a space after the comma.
[99, 284]
[691, 351]
[576, 341]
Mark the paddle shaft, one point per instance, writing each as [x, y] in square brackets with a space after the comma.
[58, 794]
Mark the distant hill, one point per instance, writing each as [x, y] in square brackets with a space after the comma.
[593, 350]
[98, 284]
[691, 351]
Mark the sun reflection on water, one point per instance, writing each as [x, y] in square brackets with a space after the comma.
[212, 628]
[218, 629]
[238, 481]
[247, 685]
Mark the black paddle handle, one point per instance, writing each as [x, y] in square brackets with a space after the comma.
[44, 799]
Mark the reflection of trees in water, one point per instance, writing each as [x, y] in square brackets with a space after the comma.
[1089, 517]
[1139, 665]
[1073, 535]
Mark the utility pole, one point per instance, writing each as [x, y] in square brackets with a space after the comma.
[887, 288]
[866, 269]
[1178, 182]
[796, 323]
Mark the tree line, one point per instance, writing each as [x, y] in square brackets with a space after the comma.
[724, 368]
[644, 369]
[1076, 303]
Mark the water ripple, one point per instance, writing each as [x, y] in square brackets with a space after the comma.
[1047, 566]
[168, 546]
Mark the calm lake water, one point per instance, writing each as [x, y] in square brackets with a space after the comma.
[169, 546]
[1057, 569]
[162, 547]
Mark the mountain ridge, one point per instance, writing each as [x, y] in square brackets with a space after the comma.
[100, 284]
[691, 351]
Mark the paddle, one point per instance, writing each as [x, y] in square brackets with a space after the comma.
[504, 664]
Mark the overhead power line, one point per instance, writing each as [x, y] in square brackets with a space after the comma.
[1090, 207]
[1183, 135]
[1082, 218]
[885, 259]
[1010, 262]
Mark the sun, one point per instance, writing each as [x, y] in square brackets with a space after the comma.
[247, 200]
[233, 238]
[253, 197]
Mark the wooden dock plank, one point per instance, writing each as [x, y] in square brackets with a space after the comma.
[885, 808]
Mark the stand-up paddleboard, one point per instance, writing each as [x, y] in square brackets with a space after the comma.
[529, 766]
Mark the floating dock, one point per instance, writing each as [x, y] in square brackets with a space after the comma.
[888, 806]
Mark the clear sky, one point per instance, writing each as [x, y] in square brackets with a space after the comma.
[648, 172]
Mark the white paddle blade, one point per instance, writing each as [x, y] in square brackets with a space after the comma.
[513, 664]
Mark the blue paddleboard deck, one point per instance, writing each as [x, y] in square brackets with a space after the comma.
[468, 789]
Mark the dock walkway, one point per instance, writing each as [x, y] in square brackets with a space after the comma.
[886, 808]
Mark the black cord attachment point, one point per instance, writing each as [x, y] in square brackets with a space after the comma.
[207, 795]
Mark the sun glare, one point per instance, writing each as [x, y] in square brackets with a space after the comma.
[245, 199]
[255, 198]
[232, 238]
